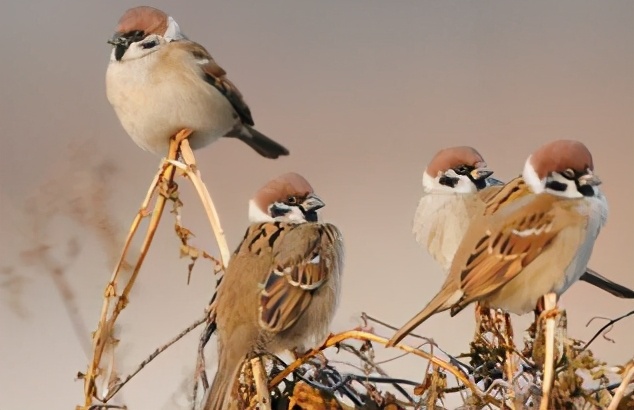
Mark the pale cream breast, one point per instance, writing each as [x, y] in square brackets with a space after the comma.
[155, 101]
[440, 223]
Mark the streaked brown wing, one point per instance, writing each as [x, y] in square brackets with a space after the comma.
[513, 241]
[303, 259]
[497, 197]
[217, 77]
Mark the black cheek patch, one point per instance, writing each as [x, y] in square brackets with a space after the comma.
[277, 211]
[448, 181]
[149, 44]
[556, 186]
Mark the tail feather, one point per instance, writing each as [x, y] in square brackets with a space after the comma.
[603, 283]
[219, 393]
[442, 301]
[262, 144]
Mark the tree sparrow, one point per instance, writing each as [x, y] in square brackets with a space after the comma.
[512, 255]
[282, 284]
[159, 83]
[518, 188]
[450, 182]
[456, 185]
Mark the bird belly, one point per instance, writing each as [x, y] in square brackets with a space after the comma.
[440, 223]
[151, 111]
[521, 294]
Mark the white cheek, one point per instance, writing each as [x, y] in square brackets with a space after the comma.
[571, 188]
[464, 185]
[429, 183]
[296, 215]
[256, 215]
[532, 179]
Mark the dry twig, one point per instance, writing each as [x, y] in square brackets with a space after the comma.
[628, 375]
[163, 182]
[262, 398]
[333, 340]
[103, 335]
[153, 355]
[610, 323]
[550, 313]
[193, 173]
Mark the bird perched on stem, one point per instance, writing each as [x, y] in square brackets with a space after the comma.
[281, 287]
[159, 83]
[456, 186]
[513, 255]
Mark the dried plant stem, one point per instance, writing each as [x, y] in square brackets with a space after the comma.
[102, 335]
[369, 363]
[607, 325]
[628, 375]
[263, 397]
[550, 304]
[192, 172]
[509, 363]
[152, 356]
[364, 336]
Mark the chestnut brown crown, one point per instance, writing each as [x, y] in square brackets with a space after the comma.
[561, 155]
[453, 157]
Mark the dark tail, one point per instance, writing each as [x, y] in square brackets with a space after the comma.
[262, 144]
[607, 285]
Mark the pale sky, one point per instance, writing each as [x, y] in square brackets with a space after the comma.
[363, 93]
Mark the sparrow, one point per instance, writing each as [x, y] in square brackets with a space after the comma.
[159, 82]
[456, 185]
[450, 183]
[512, 255]
[282, 284]
[518, 188]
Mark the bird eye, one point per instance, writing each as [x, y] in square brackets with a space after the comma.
[462, 170]
[291, 200]
[569, 173]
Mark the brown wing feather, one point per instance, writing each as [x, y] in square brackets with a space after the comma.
[217, 77]
[302, 262]
[512, 242]
[497, 197]
[281, 303]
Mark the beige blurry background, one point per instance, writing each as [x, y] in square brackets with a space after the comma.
[362, 93]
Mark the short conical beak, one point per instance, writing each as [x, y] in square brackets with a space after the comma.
[312, 203]
[481, 173]
[589, 179]
[120, 45]
[118, 40]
